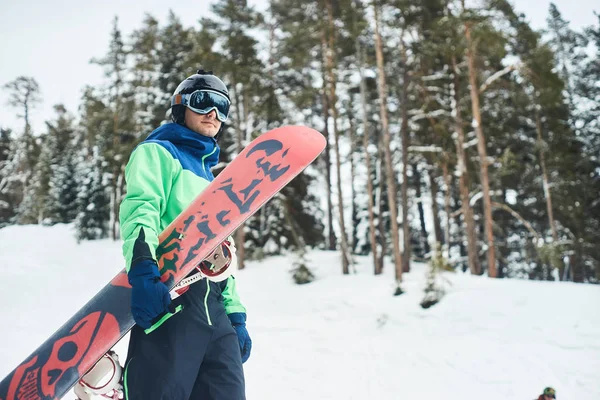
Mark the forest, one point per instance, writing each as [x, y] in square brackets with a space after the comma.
[457, 135]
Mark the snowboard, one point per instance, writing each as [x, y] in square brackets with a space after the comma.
[260, 171]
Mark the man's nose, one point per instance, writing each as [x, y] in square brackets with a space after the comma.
[212, 114]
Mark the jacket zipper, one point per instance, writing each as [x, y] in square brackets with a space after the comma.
[203, 158]
[207, 281]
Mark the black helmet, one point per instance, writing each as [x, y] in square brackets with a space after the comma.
[200, 80]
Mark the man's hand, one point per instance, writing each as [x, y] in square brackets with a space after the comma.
[238, 321]
[149, 296]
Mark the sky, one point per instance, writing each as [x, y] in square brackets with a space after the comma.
[54, 41]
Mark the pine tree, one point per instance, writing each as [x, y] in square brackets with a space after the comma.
[93, 199]
[437, 283]
[146, 45]
[587, 92]
[358, 32]
[174, 58]
[387, 151]
[568, 47]
[24, 95]
[62, 191]
[93, 170]
[64, 188]
[300, 76]
[6, 197]
[35, 208]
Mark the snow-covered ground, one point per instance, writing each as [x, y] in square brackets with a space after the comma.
[340, 337]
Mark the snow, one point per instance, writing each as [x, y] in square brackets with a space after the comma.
[340, 337]
[511, 197]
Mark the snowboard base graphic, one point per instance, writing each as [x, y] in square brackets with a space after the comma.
[260, 171]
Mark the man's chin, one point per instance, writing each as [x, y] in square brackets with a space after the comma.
[208, 132]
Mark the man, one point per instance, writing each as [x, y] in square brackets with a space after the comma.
[191, 347]
[548, 394]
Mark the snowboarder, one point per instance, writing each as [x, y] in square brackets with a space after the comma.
[548, 394]
[191, 346]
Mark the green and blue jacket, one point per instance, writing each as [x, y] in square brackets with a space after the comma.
[164, 174]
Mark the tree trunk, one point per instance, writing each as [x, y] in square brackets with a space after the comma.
[114, 200]
[435, 210]
[332, 241]
[577, 267]
[26, 118]
[424, 233]
[405, 143]
[447, 206]
[354, 213]
[116, 168]
[390, 175]
[481, 148]
[296, 236]
[377, 266]
[463, 181]
[546, 183]
[379, 201]
[330, 47]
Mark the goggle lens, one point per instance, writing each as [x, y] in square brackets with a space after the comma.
[204, 101]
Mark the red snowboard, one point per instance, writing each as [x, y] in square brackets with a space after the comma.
[261, 170]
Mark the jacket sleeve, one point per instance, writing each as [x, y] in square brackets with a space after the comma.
[231, 299]
[149, 177]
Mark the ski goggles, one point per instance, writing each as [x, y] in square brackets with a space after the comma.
[204, 101]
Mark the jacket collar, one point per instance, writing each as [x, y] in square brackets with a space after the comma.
[187, 140]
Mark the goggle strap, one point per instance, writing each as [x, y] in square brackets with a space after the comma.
[177, 100]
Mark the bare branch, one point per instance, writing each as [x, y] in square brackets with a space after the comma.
[519, 217]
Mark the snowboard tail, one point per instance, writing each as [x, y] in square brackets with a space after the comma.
[260, 171]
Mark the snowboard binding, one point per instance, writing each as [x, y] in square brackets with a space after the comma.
[103, 380]
[217, 267]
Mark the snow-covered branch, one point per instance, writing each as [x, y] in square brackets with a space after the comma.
[434, 77]
[496, 76]
[433, 114]
[470, 143]
[479, 195]
[425, 149]
[475, 198]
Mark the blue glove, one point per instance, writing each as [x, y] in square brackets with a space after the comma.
[238, 321]
[149, 296]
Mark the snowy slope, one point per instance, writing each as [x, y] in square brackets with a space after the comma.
[340, 338]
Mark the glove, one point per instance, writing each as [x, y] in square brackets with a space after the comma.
[149, 296]
[238, 321]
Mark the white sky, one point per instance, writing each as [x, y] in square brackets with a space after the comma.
[54, 41]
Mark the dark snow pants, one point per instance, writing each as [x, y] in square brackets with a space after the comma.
[194, 355]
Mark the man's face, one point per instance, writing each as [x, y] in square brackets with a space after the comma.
[204, 124]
